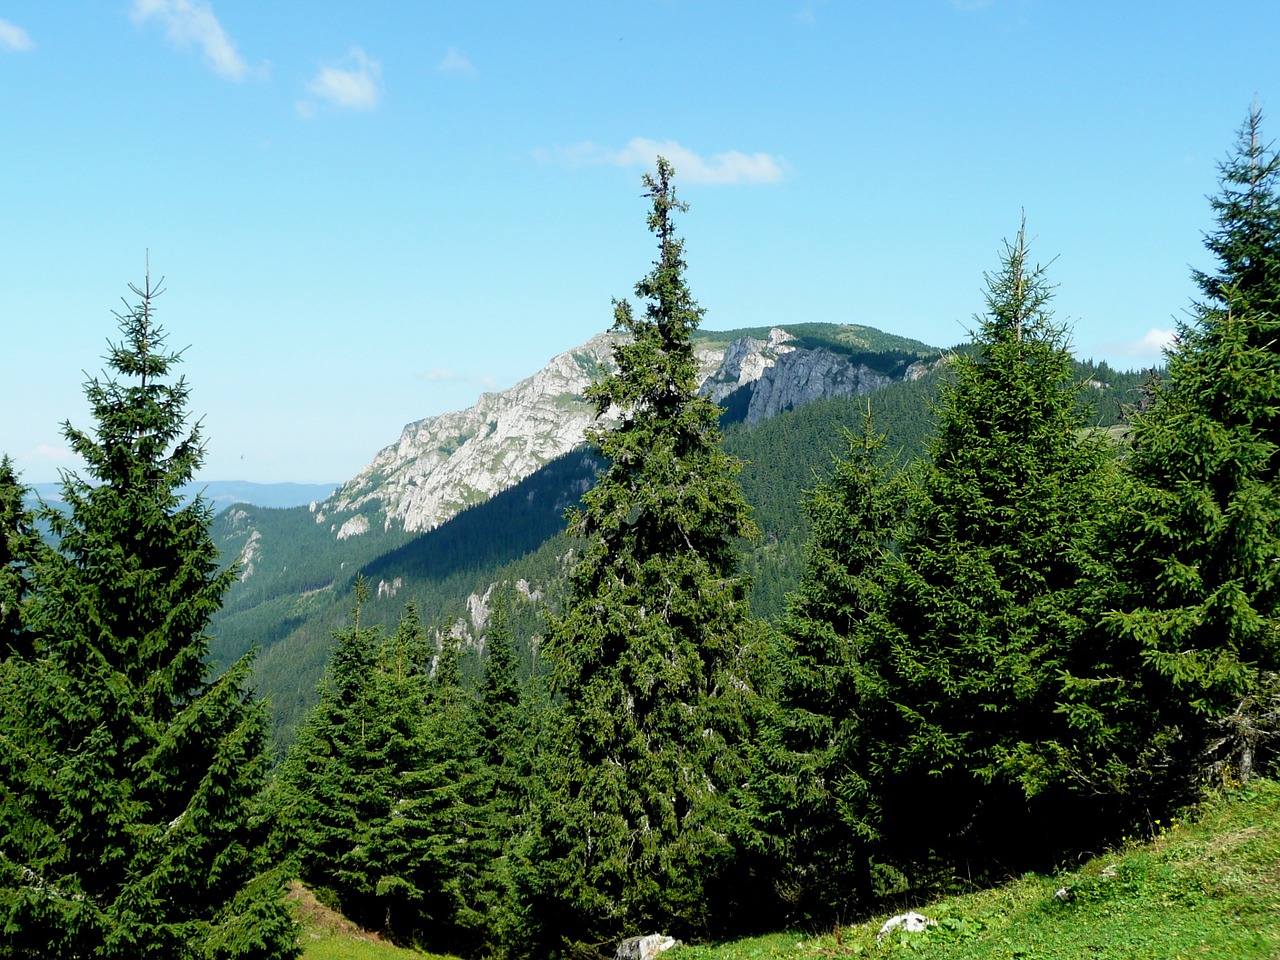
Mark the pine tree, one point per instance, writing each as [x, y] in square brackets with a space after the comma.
[1194, 618]
[19, 544]
[326, 794]
[375, 799]
[802, 758]
[638, 828]
[505, 755]
[960, 672]
[136, 784]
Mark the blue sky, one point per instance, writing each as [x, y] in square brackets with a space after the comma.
[369, 213]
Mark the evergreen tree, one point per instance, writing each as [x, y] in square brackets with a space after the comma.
[131, 795]
[1194, 621]
[505, 735]
[960, 742]
[326, 794]
[19, 544]
[802, 762]
[375, 798]
[638, 829]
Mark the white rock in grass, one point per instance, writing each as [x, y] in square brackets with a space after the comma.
[644, 948]
[910, 921]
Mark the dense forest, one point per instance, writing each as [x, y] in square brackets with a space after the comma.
[763, 676]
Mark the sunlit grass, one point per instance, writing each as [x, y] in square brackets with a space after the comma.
[1205, 889]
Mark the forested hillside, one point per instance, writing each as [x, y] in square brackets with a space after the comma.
[300, 588]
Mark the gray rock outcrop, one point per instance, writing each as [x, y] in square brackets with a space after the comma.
[443, 464]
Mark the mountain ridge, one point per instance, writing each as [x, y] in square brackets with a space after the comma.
[442, 464]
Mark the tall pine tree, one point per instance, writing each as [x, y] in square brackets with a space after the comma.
[1195, 608]
[133, 821]
[959, 739]
[638, 823]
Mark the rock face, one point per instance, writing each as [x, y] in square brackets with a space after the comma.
[444, 464]
[645, 948]
[802, 376]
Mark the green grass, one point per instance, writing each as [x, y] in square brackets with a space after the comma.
[1205, 888]
[338, 946]
[1209, 888]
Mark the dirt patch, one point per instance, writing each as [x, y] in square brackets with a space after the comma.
[314, 915]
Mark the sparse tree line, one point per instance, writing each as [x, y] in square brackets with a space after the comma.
[998, 656]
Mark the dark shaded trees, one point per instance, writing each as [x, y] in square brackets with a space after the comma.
[802, 756]
[131, 782]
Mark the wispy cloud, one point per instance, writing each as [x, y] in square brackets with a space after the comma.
[455, 62]
[441, 375]
[1152, 344]
[353, 84]
[13, 37]
[192, 21]
[970, 5]
[730, 167]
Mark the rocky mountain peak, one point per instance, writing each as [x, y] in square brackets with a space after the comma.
[443, 464]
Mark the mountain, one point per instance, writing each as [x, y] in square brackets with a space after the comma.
[443, 464]
[789, 394]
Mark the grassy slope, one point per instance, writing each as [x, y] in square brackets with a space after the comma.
[1208, 888]
[1205, 889]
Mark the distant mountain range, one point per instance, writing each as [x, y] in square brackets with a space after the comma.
[225, 493]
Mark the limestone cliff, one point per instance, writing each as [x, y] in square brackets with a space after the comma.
[443, 464]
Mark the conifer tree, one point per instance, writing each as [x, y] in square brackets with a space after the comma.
[802, 758]
[19, 544]
[375, 799]
[1194, 626]
[638, 824]
[135, 779]
[326, 794]
[959, 738]
[504, 753]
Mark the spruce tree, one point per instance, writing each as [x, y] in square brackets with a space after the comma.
[802, 763]
[638, 829]
[326, 793]
[136, 773]
[19, 544]
[505, 739]
[1194, 619]
[375, 798]
[959, 740]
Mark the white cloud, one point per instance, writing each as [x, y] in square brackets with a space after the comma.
[730, 167]
[192, 21]
[353, 85]
[455, 62]
[14, 37]
[441, 375]
[1154, 343]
